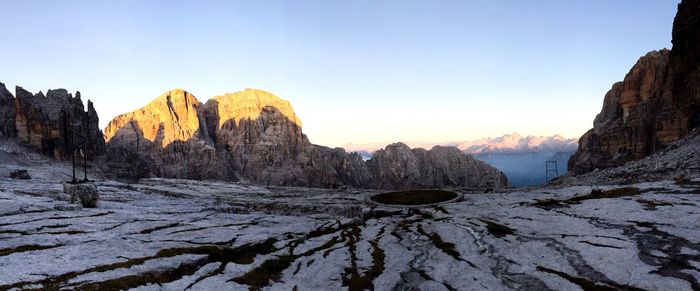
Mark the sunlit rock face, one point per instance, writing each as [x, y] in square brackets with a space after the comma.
[250, 134]
[50, 123]
[170, 117]
[165, 138]
[256, 136]
[656, 104]
[257, 129]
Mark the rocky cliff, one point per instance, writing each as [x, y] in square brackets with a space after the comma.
[8, 110]
[685, 63]
[656, 104]
[257, 130]
[51, 122]
[255, 135]
[399, 167]
[165, 138]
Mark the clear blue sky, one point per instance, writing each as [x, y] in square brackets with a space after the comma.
[355, 71]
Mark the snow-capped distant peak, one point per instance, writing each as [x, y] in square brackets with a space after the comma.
[514, 143]
[507, 143]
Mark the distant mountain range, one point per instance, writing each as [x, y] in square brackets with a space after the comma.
[505, 144]
[521, 158]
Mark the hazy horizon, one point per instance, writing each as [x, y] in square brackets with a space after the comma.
[358, 72]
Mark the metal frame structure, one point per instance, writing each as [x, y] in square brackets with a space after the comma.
[550, 171]
[80, 149]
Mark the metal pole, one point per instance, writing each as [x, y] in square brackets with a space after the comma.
[73, 158]
[85, 163]
[85, 147]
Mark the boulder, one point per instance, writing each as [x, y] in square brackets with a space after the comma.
[84, 193]
[20, 174]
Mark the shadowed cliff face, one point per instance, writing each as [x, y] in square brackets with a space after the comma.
[256, 136]
[685, 61]
[8, 111]
[48, 122]
[655, 105]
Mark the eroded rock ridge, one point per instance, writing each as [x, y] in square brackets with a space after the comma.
[256, 136]
[50, 123]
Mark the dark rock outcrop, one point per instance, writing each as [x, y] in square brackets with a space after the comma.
[657, 104]
[685, 63]
[7, 113]
[50, 123]
[256, 136]
[20, 174]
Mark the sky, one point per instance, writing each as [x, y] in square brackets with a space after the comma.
[355, 71]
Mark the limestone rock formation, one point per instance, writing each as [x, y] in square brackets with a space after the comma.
[169, 118]
[635, 120]
[657, 104]
[685, 63]
[50, 123]
[256, 136]
[166, 138]
[399, 167]
[257, 129]
[8, 111]
[250, 134]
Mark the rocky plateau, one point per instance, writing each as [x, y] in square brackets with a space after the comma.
[174, 234]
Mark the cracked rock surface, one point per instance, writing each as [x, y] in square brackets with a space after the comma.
[166, 234]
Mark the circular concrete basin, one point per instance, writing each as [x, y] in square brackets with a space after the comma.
[414, 198]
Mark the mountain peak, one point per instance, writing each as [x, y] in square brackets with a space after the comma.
[510, 143]
[248, 104]
[169, 117]
[175, 97]
[515, 142]
[514, 135]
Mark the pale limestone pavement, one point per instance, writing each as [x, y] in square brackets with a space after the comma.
[164, 234]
